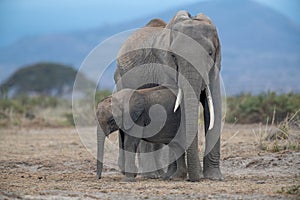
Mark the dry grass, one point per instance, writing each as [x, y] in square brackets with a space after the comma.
[284, 136]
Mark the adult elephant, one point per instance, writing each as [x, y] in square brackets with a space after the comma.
[185, 53]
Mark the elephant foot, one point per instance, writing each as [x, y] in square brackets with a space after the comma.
[195, 179]
[180, 174]
[213, 174]
[150, 176]
[153, 175]
[168, 176]
[128, 179]
[98, 176]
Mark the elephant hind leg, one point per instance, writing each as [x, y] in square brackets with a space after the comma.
[181, 171]
[177, 169]
[171, 171]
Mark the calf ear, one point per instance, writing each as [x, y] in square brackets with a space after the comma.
[133, 110]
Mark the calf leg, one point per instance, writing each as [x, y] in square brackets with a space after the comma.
[121, 158]
[130, 149]
[149, 160]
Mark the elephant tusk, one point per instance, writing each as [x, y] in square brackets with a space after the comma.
[211, 109]
[178, 99]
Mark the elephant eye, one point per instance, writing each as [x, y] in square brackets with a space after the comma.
[210, 52]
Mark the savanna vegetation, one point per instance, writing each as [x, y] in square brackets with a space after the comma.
[266, 107]
[39, 110]
[40, 95]
[277, 116]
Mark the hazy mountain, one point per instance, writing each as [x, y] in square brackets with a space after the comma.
[261, 48]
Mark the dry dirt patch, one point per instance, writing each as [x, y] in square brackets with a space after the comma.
[52, 163]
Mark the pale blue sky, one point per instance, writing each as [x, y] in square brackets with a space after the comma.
[290, 8]
[23, 18]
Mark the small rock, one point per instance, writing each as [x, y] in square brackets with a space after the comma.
[260, 182]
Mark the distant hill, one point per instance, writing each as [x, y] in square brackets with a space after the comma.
[261, 48]
[50, 79]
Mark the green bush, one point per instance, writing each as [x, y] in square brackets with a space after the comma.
[11, 105]
[69, 119]
[23, 104]
[247, 108]
[101, 95]
[13, 111]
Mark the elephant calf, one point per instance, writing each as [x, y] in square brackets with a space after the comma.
[144, 114]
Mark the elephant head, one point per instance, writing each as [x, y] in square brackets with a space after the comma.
[113, 114]
[120, 111]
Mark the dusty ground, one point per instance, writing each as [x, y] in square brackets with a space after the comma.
[53, 164]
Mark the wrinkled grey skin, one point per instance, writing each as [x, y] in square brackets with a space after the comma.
[112, 115]
[204, 32]
[144, 145]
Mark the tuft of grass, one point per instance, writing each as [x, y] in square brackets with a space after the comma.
[283, 136]
[294, 190]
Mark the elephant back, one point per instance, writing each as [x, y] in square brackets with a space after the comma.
[135, 51]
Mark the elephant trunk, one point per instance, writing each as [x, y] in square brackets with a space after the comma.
[191, 113]
[193, 162]
[100, 151]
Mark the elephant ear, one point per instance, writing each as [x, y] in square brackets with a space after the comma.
[156, 23]
[215, 38]
[218, 52]
[134, 109]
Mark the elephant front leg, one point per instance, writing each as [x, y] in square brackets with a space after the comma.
[211, 161]
[130, 149]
